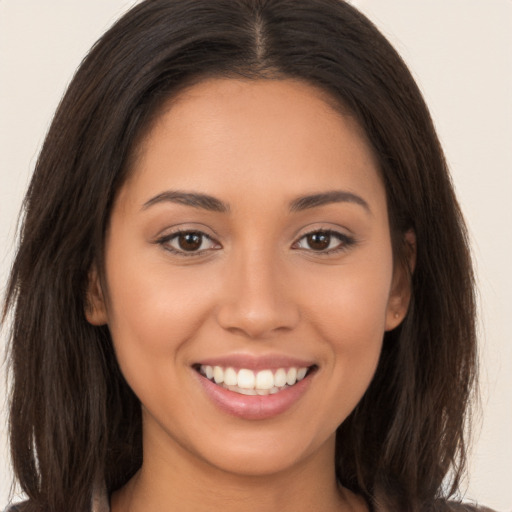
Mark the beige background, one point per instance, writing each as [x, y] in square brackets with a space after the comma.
[460, 51]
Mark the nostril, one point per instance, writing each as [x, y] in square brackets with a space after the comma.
[257, 314]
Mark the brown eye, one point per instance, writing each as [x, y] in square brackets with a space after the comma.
[319, 241]
[324, 241]
[190, 241]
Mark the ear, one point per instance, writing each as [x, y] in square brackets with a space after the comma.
[95, 307]
[400, 294]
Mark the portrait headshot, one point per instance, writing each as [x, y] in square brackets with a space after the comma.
[255, 255]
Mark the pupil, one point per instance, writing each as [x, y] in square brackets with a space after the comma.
[189, 241]
[319, 241]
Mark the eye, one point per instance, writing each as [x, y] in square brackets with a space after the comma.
[324, 241]
[188, 243]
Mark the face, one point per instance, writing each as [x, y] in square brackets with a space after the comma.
[249, 275]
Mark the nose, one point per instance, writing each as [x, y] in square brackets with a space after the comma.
[257, 300]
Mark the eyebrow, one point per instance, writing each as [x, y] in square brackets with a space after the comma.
[323, 198]
[194, 199]
[210, 203]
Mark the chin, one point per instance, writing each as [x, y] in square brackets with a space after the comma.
[260, 455]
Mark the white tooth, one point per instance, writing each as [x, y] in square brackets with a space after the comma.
[291, 376]
[302, 373]
[263, 392]
[246, 379]
[230, 377]
[209, 372]
[246, 391]
[274, 390]
[218, 375]
[232, 388]
[280, 378]
[265, 380]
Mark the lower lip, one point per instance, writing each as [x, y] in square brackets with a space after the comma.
[254, 407]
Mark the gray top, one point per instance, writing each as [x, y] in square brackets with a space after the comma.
[100, 503]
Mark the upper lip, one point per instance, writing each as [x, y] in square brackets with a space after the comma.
[252, 362]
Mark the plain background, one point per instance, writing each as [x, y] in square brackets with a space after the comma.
[460, 52]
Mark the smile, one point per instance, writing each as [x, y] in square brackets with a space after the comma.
[255, 388]
[249, 382]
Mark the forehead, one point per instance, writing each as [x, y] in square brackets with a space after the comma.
[222, 134]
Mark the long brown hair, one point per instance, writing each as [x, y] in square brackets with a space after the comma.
[73, 419]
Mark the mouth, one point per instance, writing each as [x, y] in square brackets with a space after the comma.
[262, 382]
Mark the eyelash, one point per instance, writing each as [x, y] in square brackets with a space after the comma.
[345, 242]
[165, 241]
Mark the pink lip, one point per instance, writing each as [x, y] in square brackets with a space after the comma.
[255, 363]
[254, 407]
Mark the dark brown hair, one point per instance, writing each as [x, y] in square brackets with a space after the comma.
[73, 419]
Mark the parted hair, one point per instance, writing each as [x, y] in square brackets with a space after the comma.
[73, 419]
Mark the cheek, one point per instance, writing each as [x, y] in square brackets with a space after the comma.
[154, 310]
[350, 322]
[152, 320]
[352, 332]
[351, 311]
[353, 328]
[151, 309]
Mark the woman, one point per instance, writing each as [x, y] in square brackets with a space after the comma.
[243, 277]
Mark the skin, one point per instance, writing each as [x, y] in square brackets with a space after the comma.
[257, 288]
